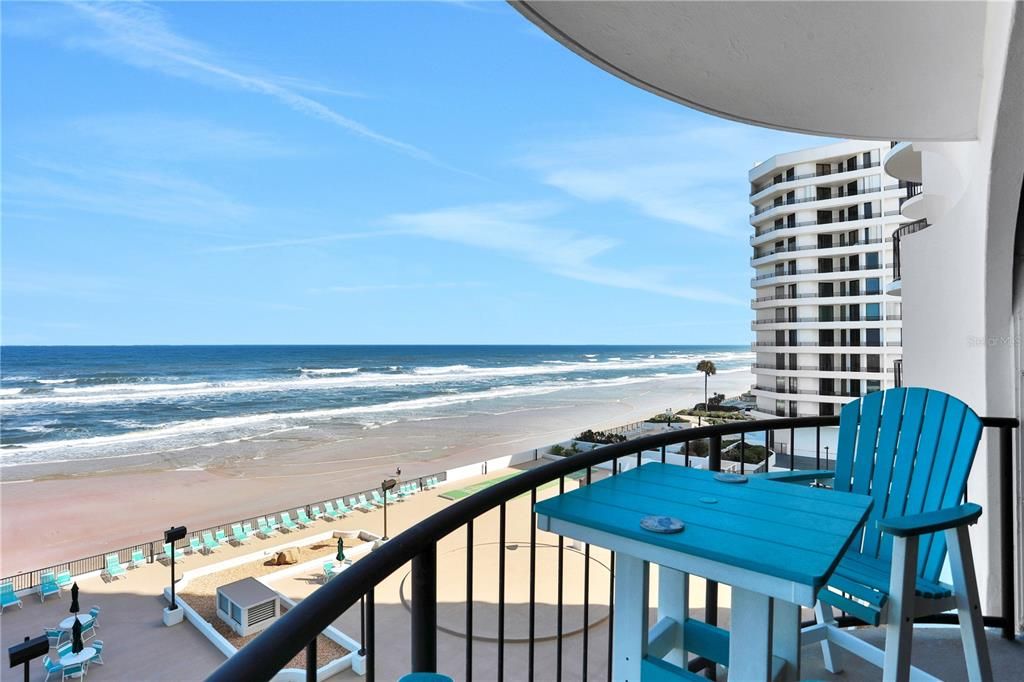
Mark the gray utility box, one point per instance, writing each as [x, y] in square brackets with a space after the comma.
[248, 606]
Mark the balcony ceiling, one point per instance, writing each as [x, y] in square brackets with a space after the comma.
[875, 70]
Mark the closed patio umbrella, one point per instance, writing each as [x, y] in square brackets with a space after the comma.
[76, 637]
[341, 549]
[75, 608]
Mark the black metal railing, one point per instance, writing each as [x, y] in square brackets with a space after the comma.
[154, 550]
[274, 648]
[903, 231]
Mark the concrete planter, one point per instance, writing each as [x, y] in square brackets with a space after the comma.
[358, 664]
[173, 616]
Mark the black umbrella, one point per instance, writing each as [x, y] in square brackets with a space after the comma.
[76, 637]
[341, 549]
[75, 608]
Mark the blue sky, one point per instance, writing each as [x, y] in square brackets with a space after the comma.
[356, 173]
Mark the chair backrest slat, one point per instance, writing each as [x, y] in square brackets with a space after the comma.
[888, 436]
[911, 450]
[849, 421]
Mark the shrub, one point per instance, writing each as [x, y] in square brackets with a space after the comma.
[557, 450]
[591, 436]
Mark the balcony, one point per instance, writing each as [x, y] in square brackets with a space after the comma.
[766, 256]
[895, 287]
[773, 277]
[458, 616]
[835, 176]
[841, 194]
[767, 233]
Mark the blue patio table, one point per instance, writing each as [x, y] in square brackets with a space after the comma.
[775, 544]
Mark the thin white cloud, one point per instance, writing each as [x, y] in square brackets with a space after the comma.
[518, 230]
[149, 196]
[152, 136]
[370, 288]
[301, 241]
[674, 171]
[138, 34]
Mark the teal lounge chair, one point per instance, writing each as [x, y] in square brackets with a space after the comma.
[302, 519]
[286, 521]
[221, 537]
[47, 586]
[364, 504]
[377, 499]
[63, 579]
[209, 542]
[391, 497]
[195, 546]
[330, 510]
[95, 613]
[178, 553]
[265, 529]
[97, 657]
[328, 571]
[316, 512]
[247, 529]
[240, 536]
[8, 597]
[114, 568]
[138, 559]
[911, 449]
[342, 509]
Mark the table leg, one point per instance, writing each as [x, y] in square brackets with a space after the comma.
[630, 636]
[750, 636]
[786, 637]
[673, 602]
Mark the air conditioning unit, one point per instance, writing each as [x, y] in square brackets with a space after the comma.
[247, 605]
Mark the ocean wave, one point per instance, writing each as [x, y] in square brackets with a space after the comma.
[329, 371]
[56, 381]
[419, 376]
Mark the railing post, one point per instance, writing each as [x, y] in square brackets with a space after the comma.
[711, 589]
[311, 661]
[424, 611]
[1006, 530]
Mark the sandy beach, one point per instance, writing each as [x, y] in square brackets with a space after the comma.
[58, 512]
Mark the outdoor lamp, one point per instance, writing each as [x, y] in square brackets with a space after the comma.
[386, 485]
[172, 535]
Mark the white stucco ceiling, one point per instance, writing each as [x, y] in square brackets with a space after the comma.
[877, 70]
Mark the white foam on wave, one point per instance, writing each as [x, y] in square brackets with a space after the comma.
[56, 381]
[328, 371]
[420, 376]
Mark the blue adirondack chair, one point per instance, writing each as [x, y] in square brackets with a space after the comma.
[911, 449]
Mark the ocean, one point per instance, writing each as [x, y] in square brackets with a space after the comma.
[71, 403]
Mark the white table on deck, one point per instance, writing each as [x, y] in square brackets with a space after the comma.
[69, 622]
[81, 657]
[775, 543]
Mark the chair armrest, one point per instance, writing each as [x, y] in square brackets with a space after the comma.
[929, 522]
[799, 476]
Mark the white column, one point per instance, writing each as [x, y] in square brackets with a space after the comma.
[630, 635]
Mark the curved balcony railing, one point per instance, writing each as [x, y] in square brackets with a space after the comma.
[298, 629]
[815, 368]
[812, 247]
[903, 231]
[837, 318]
[762, 186]
[814, 271]
[841, 194]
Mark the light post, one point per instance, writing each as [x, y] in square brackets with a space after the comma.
[385, 486]
[172, 615]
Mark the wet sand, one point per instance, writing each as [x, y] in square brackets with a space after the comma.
[55, 513]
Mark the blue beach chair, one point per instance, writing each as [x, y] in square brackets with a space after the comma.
[8, 597]
[286, 521]
[911, 449]
[342, 509]
[209, 542]
[48, 585]
[302, 519]
[178, 553]
[238, 534]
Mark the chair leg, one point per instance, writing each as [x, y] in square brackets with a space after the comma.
[899, 627]
[830, 655]
[968, 605]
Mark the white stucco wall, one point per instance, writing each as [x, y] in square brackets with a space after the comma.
[958, 330]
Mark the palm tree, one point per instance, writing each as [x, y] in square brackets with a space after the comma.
[708, 368]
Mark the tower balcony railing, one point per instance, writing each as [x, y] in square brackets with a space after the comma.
[903, 231]
[813, 247]
[841, 194]
[762, 186]
[823, 224]
[835, 318]
[816, 271]
[817, 368]
[299, 627]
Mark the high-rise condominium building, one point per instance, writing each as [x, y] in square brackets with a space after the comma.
[825, 330]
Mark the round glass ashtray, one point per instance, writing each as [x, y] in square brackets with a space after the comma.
[731, 478]
[662, 524]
